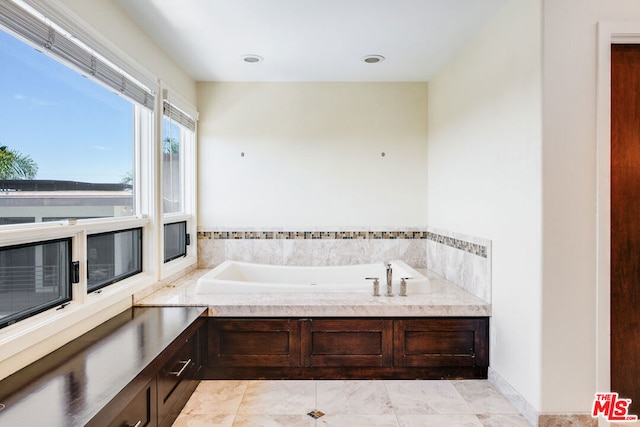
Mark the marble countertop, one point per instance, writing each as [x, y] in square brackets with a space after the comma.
[443, 299]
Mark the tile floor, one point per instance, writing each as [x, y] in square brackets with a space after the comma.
[468, 403]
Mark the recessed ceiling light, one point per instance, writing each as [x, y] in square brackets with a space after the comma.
[252, 59]
[372, 59]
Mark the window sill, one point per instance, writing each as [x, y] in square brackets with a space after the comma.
[30, 339]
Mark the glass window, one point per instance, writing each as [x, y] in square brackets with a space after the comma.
[113, 256]
[67, 142]
[175, 240]
[172, 171]
[33, 278]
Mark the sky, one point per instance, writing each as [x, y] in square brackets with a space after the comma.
[72, 127]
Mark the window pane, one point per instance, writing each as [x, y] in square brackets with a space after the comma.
[171, 167]
[175, 240]
[66, 149]
[33, 278]
[113, 256]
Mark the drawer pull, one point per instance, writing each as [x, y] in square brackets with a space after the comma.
[138, 424]
[185, 365]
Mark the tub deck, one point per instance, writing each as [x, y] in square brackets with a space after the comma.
[443, 299]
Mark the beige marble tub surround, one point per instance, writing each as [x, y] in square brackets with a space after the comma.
[312, 245]
[462, 259]
[443, 299]
[349, 403]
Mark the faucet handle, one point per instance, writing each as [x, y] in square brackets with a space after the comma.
[403, 286]
[376, 285]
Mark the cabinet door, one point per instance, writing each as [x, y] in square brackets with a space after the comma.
[139, 412]
[441, 342]
[254, 342]
[347, 342]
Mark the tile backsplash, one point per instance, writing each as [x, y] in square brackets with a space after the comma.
[464, 260]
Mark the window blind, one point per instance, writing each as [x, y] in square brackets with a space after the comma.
[178, 116]
[44, 34]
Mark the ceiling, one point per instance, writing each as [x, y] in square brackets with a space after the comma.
[311, 40]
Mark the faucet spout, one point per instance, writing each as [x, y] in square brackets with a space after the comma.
[389, 280]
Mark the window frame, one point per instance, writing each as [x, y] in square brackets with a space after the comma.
[138, 256]
[186, 241]
[34, 310]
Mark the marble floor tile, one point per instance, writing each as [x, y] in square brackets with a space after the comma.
[439, 421]
[483, 398]
[204, 420]
[243, 420]
[222, 396]
[382, 420]
[413, 397]
[503, 420]
[278, 397]
[389, 403]
[338, 397]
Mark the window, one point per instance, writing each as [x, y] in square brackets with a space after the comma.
[33, 278]
[171, 168]
[67, 147]
[73, 137]
[178, 130]
[175, 240]
[113, 256]
[79, 142]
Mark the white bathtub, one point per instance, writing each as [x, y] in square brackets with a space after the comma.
[242, 277]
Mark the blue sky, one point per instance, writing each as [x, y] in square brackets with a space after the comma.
[72, 127]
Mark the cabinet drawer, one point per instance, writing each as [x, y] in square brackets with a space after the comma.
[140, 411]
[176, 375]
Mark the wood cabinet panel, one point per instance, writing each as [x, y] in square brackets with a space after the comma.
[441, 342]
[347, 342]
[248, 342]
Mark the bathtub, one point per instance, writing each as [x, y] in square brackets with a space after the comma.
[242, 277]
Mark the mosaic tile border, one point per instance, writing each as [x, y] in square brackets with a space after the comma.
[473, 248]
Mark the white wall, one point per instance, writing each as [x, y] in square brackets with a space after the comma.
[484, 175]
[312, 154]
[569, 203]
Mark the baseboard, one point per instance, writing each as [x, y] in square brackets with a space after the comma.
[519, 402]
[535, 418]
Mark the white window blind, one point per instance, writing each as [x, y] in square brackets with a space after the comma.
[46, 35]
[176, 115]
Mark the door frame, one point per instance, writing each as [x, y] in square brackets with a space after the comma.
[609, 32]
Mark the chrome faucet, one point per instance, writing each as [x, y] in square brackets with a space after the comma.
[389, 280]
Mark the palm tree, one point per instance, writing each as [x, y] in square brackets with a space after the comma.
[170, 145]
[15, 165]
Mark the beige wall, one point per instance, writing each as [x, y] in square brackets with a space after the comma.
[312, 154]
[484, 174]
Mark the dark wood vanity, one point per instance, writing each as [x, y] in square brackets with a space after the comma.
[137, 369]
